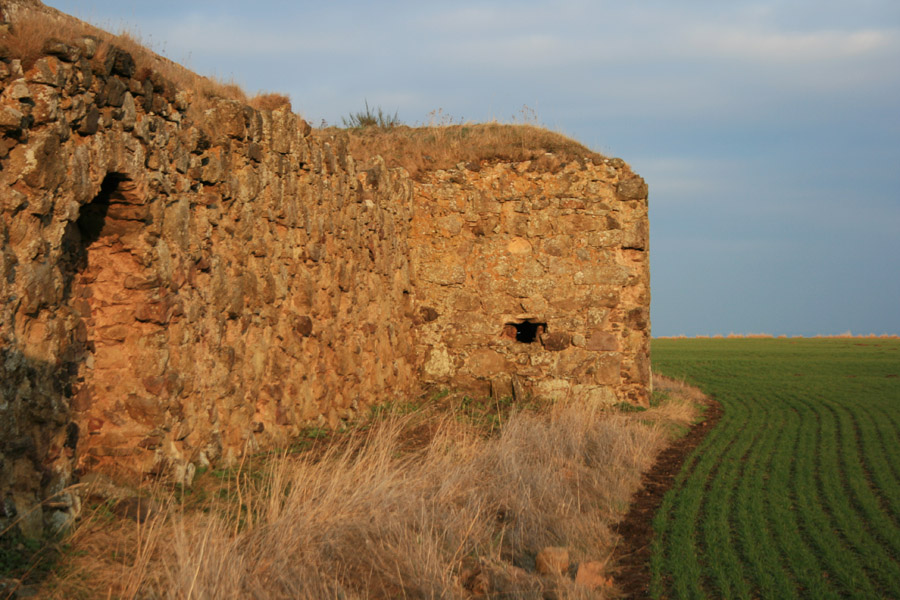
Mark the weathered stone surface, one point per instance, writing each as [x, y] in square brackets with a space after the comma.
[303, 325]
[61, 50]
[11, 120]
[145, 305]
[119, 62]
[556, 341]
[90, 122]
[115, 91]
[484, 363]
[181, 285]
[129, 114]
[428, 313]
[602, 340]
[548, 256]
[632, 188]
[48, 71]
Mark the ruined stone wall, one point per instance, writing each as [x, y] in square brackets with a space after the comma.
[181, 285]
[533, 278]
[183, 280]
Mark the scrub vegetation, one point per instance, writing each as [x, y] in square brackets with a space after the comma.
[796, 493]
[444, 497]
[442, 143]
[32, 33]
[445, 145]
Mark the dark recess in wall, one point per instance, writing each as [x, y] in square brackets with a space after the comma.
[527, 331]
[93, 215]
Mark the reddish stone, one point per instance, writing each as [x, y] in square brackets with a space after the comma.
[428, 314]
[602, 341]
[152, 312]
[303, 326]
[556, 341]
[154, 385]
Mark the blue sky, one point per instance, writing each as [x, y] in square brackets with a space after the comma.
[769, 132]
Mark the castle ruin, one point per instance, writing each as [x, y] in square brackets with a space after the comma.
[182, 285]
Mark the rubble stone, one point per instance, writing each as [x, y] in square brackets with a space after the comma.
[174, 279]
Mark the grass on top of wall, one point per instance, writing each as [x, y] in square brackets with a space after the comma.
[444, 146]
[28, 33]
[441, 144]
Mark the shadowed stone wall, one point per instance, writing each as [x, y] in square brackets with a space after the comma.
[180, 286]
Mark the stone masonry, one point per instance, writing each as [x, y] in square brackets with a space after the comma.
[533, 278]
[185, 280]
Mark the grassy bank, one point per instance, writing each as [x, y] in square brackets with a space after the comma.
[797, 492]
[448, 498]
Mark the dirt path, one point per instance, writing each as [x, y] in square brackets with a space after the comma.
[636, 529]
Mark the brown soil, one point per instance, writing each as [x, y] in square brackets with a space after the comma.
[632, 556]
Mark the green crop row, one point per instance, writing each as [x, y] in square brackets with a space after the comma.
[796, 492]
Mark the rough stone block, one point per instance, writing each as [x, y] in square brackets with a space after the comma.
[119, 62]
[486, 363]
[556, 341]
[603, 341]
[49, 71]
[11, 120]
[632, 188]
[61, 50]
[144, 410]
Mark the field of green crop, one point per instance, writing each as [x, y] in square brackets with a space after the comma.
[796, 493]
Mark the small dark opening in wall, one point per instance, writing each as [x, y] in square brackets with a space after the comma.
[526, 332]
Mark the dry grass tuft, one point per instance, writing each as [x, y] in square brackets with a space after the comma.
[423, 149]
[681, 399]
[27, 36]
[376, 516]
[371, 118]
[33, 27]
[270, 101]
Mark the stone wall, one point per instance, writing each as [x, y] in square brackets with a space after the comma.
[179, 291]
[534, 278]
[183, 280]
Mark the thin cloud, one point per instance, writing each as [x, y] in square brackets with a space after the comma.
[519, 52]
[682, 182]
[793, 47]
[217, 34]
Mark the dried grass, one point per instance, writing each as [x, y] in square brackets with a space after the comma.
[26, 37]
[377, 517]
[423, 149]
[32, 27]
[440, 145]
[681, 400]
[270, 101]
